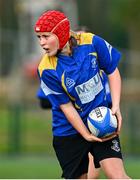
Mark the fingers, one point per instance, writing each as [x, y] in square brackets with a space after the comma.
[119, 119]
[109, 137]
[118, 115]
[93, 138]
[98, 139]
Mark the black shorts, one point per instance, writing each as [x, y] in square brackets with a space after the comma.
[72, 153]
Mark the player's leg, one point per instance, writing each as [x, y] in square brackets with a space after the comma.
[83, 176]
[93, 173]
[72, 154]
[114, 168]
[108, 155]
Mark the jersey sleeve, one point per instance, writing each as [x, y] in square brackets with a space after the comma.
[52, 88]
[108, 56]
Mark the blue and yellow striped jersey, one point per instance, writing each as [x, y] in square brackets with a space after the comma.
[78, 78]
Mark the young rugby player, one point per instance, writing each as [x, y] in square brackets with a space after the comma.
[70, 78]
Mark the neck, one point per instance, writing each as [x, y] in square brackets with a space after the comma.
[66, 50]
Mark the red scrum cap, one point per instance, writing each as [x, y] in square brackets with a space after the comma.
[55, 22]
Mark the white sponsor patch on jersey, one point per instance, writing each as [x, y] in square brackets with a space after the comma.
[88, 90]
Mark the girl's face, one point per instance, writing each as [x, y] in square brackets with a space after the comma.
[49, 42]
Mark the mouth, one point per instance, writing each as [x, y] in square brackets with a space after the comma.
[47, 50]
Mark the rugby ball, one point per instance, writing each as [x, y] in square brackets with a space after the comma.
[101, 122]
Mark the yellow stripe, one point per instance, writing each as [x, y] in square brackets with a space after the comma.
[101, 73]
[78, 107]
[64, 87]
[86, 38]
[47, 63]
[94, 54]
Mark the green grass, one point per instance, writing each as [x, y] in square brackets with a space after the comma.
[42, 167]
[29, 132]
[29, 168]
[28, 129]
[133, 168]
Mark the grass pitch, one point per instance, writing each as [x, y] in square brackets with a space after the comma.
[29, 167]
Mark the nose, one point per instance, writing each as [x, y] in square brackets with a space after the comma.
[42, 41]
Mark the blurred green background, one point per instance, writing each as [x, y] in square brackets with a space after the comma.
[25, 129]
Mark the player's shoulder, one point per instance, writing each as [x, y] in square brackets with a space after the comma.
[86, 38]
[47, 63]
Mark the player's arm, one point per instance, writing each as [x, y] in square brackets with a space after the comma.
[115, 88]
[76, 121]
[108, 58]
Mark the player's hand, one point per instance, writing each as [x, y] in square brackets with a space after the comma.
[117, 113]
[92, 138]
[106, 138]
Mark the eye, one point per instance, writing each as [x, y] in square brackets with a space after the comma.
[46, 36]
[38, 36]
